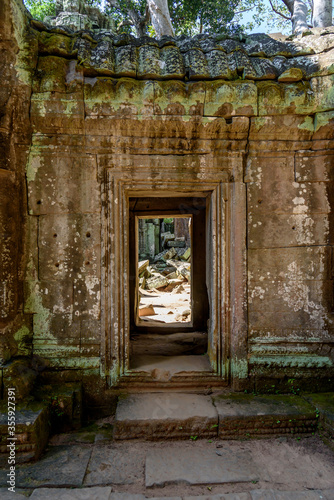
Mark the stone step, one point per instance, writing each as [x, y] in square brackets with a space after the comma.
[247, 415]
[31, 432]
[191, 416]
[165, 415]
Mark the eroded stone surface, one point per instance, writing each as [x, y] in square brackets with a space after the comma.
[98, 493]
[285, 495]
[202, 467]
[169, 415]
[62, 466]
[114, 466]
[259, 415]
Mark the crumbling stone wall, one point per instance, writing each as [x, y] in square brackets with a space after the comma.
[258, 109]
[18, 57]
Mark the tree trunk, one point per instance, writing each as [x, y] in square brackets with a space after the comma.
[160, 17]
[299, 17]
[322, 13]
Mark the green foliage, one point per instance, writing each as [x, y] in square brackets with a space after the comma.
[192, 17]
[189, 17]
[41, 8]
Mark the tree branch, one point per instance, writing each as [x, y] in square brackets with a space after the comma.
[278, 12]
[114, 3]
[244, 10]
[290, 5]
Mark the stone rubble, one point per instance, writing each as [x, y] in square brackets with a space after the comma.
[164, 276]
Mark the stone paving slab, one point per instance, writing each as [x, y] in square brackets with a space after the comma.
[173, 415]
[286, 495]
[61, 466]
[127, 496]
[329, 494]
[228, 496]
[114, 466]
[95, 493]
[194, 466]
[134, 496]
[9, 495]
[247, 415]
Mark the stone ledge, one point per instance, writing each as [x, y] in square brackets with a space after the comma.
[32, 431]
[242, 415]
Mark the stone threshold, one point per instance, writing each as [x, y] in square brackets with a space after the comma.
[173, 415]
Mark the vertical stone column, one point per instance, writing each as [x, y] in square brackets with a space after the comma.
[151, 240]
[156, 235]
[142, 237]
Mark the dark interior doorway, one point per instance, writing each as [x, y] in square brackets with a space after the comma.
[155, 342]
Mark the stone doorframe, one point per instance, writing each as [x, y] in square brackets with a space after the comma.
[221, 181]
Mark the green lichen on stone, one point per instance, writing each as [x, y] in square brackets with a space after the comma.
[23, 337]
[33, 164]
[55, 44]
[293, 361]
[259, 122]
[42, 315]
[308, 124]
[239, 368]
[323, 119]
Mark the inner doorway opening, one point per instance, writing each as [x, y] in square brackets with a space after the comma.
[169, 307]
[163, 288]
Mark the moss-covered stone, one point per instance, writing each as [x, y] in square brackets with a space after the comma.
[32, 431]
[19, 374]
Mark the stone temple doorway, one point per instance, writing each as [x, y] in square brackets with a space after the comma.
[175, 188]
[169, 307]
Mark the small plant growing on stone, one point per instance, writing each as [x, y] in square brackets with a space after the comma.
[56, 413]
[193, 438]
[56, 407]
[294, 390]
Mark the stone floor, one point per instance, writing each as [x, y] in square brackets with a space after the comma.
[89, 465]
[268, 469]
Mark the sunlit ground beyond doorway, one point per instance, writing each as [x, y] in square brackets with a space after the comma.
[164, 273]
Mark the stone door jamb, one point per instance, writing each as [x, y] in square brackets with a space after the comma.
[226, 222]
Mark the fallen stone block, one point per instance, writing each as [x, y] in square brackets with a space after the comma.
[156, 282]
[185, 271]
[172, 276]
[176, 244]
[186, 254]
[146, 311]
[172, 284]
[142, 265]
[169, 254]
[178, 289]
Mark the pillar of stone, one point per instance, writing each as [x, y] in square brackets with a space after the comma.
[151, 240]
[182, 229]
[142, 239]
[156, 223]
